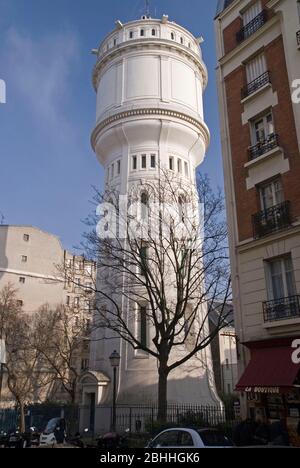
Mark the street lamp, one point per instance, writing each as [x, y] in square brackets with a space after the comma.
[115, 362]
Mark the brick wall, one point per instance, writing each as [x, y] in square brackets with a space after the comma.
[229, 33]
[247, 201]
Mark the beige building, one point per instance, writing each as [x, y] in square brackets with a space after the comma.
[43, 272]
[258, 52]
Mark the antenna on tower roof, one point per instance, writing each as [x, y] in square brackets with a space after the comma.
[147, 8]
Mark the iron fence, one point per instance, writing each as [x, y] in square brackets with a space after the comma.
[271, 220]
[252, 26]
[144, 419]
[285, 308]
[256, 84]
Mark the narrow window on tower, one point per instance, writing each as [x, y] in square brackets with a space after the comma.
[143, 326]
[142, 32]
[186, 169]
[143, 260]
[134, 163]
[172, 36]
[144, 206]
[153, 32]
[153, 161]
[179, 166]
[112, 171]
[119, 167]
[171, 163]
[131, 35]
[108, 174]
[144, 161]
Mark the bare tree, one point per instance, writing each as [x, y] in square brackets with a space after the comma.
[60, 336]
[158, 251]
[24, 375]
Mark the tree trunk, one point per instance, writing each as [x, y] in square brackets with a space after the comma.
[22, 416]
[162, 392]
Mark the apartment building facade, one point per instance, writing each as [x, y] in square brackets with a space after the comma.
[258, 48]
[42, 273]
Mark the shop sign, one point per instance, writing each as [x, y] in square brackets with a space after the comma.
[266, 390]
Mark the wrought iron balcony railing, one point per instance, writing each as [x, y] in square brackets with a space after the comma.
[298, 38]
[263, 146]
[271, 220]
[282, 309]
[256, 84]
[252, 26]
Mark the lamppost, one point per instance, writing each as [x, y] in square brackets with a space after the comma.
[115, 362]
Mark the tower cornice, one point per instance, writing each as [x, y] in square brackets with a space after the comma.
[148, 113]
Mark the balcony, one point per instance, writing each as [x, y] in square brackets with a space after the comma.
[263, 146]
[286, 308]
[252, 27]
[256, 84]
[271, 220]
[298, 38]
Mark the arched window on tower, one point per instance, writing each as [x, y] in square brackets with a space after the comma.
[172, 36]
[130, 34]
[144, 206]
[143, 329]
[181, 209]
[181, 40]
[153, 32]
[142, 32]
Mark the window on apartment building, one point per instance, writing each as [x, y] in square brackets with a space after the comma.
[118, 167]
[134, 163]
[20, 303]
[115, 41]
[153, 161]
[172, 36]
[76, 301]
[112, 171]
[280, 278]
[143, 325]
[227, 364]
[144, 161]
[108, 174]
[271, 194]
[252, 12]
[262, 128]
[22, 280]
[256, 67]
[24, 258]
[26, 237]
[68, 300]
[171, 163]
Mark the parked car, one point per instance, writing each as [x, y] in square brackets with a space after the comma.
[54, 432]
[190, 438]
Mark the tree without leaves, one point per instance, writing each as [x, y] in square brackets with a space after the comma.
[24, 376]
[165, 267]
[59, 337]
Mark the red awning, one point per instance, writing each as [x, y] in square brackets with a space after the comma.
[271, 368]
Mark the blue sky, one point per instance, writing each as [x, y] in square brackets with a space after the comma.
[47, 165]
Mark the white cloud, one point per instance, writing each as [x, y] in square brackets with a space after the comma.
[40, 72]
